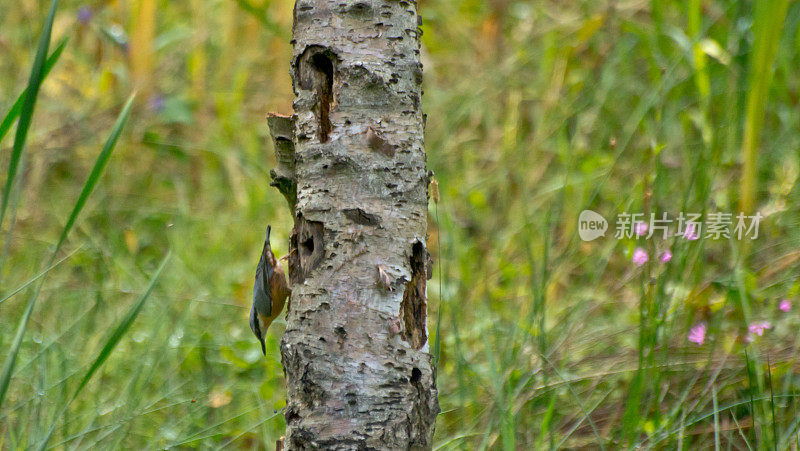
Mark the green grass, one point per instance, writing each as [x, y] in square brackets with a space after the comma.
[25, 115]
[88, 187]
[536, 111]
[16, 109]
[25, 112]
[108, 347]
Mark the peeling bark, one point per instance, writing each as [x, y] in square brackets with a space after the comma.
[355, 352]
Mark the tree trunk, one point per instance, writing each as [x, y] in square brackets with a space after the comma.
[355, 351]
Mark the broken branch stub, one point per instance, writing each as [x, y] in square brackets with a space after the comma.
[283, 177]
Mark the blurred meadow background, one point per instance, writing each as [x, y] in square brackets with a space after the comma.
[536, 111]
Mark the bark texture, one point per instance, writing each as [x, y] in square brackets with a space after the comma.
[355, 351]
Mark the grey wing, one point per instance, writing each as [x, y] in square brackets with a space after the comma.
[261, 295]
[253, 323]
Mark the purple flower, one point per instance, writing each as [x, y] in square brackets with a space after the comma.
[640, 229]
[691, 232]
[666, 256]
[640, 256]
[85, 14]
[785, 305]
[758, 327]
[157, 103]
[697, 334]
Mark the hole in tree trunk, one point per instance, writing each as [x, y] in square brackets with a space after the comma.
[416, 375]
[413, 306]
[316, 72]
[291, 415]
[325, 67]
[307, 248]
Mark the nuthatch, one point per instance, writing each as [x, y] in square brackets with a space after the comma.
[269, 293]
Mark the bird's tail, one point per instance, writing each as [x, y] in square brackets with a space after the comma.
[267, 247]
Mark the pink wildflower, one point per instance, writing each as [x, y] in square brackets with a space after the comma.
[640, 256]
[666, 256]
[697, 334]
[759, 327]
[785, 305]
[640, 228]
[691, 232]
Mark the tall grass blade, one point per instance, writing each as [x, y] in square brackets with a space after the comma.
[91, 182]
[437, 346]
[111, 343]
[142, 46]
[741, 433]
[26, 110]
[16, 108]
[751, 387]
[772, 405]
[794, 407]
[632, 416]
[767, 27]
[716, 417]
[97, 170]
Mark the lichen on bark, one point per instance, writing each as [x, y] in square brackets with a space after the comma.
[355, 354]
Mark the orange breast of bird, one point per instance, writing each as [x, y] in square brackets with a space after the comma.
[279, 291]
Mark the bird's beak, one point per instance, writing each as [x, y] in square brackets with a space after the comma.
[263, 348]
[269, 229]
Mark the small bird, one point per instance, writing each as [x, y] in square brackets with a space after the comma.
[269, 293]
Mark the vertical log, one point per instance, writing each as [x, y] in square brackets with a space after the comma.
[355, 351]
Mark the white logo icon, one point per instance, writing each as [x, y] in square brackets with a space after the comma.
[591, 225]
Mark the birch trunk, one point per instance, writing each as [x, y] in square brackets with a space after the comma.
[355, 351]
